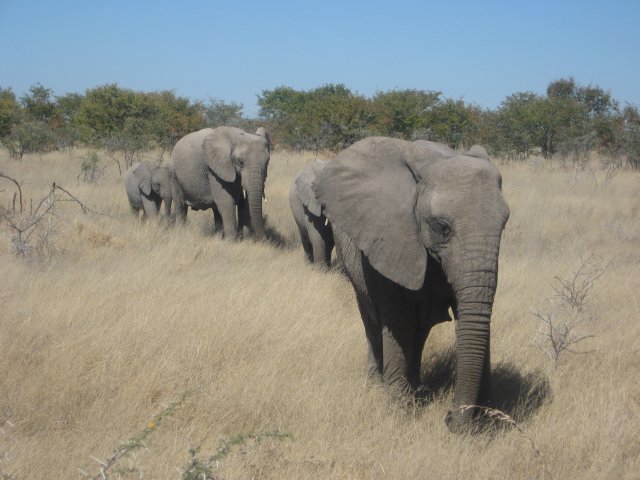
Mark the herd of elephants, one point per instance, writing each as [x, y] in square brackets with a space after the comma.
[416, 226]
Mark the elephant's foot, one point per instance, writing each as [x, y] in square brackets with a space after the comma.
[459, 419]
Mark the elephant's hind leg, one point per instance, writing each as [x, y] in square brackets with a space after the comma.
[135, 211]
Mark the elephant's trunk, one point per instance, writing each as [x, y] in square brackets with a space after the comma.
[254, 186]
[474, 290]
[167, 206]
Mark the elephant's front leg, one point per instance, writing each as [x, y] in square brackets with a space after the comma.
[244, 216]
[150, 207]
[319, 249]
[395, 364]
[226, 204]
[413, 374]
[374, 338]
[217, 220]
[167, 207]
[398, 341]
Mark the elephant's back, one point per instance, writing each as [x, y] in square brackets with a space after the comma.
[188, 151]
[191, 170]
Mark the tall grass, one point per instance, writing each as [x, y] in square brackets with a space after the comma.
[124, 318]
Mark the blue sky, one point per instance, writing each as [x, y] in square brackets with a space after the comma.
[481, 51]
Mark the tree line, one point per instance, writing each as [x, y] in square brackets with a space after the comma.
[568, 120]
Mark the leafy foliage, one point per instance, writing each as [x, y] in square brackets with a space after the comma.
[8, 111]
[328, 117]
[527, 123]
[218, 112]
[569, 120]
[402, 113]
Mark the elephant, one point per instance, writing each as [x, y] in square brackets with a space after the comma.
[224, 169]
[315, 231]
[149, 185]
[417, 227]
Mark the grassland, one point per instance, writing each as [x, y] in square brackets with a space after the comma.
[115, 320]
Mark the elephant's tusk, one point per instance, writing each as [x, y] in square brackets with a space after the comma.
[244, 194]
[326, 222]
[265, 198]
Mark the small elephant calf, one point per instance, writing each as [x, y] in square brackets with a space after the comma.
[315, 231]
[147, 186]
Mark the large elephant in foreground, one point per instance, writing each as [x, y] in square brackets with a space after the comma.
[148, 185]
[418, 227]
[315, 232]
[224, 169]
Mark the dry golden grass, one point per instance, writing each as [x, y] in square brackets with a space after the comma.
[123, 319]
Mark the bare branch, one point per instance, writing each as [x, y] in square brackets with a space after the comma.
[18, 185]
[84, 208]
[501, 416]
[568, 310]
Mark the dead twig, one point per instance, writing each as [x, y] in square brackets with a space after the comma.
[500, 416]
[84, 208]
[18, 185]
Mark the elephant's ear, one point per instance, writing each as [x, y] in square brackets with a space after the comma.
[261, 131]
[218, 155]
[369, 192]
[478, 152]
[305, 191]
[143, 174]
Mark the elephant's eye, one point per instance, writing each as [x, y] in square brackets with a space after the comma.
[442, 226]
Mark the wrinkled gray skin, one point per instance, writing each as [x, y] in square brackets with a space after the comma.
[149, 185]
[418, 226]
[315, 231]
[215, 167]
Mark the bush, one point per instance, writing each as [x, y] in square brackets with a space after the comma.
[29, 136]
[567, 312]
[91, 168]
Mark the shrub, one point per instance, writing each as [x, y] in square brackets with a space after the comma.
[91, 168]
[567, 312]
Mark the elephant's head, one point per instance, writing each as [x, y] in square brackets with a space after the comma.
[161, 185]
[303, 186]
[232, 153]
[403, 202]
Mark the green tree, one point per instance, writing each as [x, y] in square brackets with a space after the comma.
[39, 104]
[579, 114]
[28, 136]
[335, 117]
[517, 124]
[68, 132]
[402, 113]
[9, 111]
[104, 110]
[630, 144]
[451, 122]
[329, 117]
[218, 113]
[119, 120]
[174, 117]
[279, 109]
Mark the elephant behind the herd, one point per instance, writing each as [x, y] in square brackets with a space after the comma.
[148, 186]
[417, 227]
